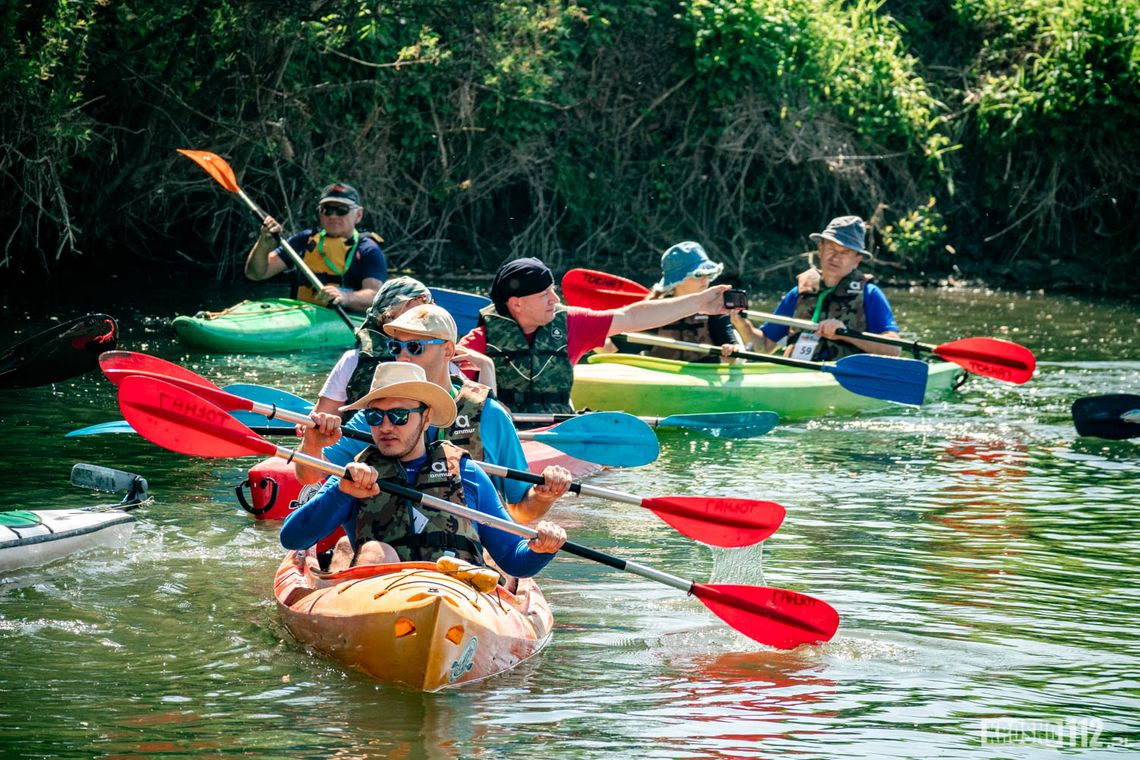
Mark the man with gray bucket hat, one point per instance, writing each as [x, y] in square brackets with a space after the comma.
[840, 296]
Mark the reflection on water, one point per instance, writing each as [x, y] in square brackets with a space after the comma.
[982, 557]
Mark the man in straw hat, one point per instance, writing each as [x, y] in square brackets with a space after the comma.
[839, 297]
[535, 341]
[382, 527]
[425, 336]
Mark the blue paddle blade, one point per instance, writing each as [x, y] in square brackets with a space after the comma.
[463, 307]
[613, 439]
[264, 395]
[114, 426]
[725, 424]
[258, 393]
[885, 377]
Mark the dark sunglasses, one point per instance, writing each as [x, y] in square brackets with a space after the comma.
[414, 347]
[336, 210]
[398, 417]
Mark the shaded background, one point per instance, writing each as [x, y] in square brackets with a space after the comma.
[984, 138]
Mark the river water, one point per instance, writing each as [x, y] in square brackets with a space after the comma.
[982, 557]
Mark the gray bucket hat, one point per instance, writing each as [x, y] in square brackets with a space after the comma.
[847, 231]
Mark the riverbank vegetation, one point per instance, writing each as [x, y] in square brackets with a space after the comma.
[990, 138]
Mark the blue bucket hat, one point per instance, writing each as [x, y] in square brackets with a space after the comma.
[847, 231]
[685, 260]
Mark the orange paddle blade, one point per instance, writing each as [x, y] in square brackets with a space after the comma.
[215, 166]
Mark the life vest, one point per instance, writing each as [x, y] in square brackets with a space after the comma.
[465, 432]
[391, 519]
[843, 302]
[694, 329]
[373, 352]
[329, 258]
[533, 378]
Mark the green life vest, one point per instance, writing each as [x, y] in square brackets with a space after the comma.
[391, 519]
[534, 377]
[843, 302]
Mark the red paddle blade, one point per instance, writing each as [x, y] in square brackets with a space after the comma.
[117, 365]
[991, 357]
[773, 616]
[211, 392]
[598, 290]
[176, 419]
[215, 166]
[727, 522]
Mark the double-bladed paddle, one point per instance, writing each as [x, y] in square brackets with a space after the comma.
[613, 439]
[58, 353]
[1114, 416]
[989, 357]
[883, 377]
[216, 167]
[723, 424]
[181, 421]
[719, 521]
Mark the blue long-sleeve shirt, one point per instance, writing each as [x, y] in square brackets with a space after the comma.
[332, 507]
[501, 446]
[877, 309]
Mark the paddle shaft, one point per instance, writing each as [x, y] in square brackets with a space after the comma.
[809, 326]
[555, 418]
[416, 497]
[490, 469]
[298, 261]
[657, 340]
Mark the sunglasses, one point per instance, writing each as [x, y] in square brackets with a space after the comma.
[414, 347]
[336, 210]
[398, 417]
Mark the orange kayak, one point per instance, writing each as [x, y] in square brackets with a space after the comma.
[409, 623]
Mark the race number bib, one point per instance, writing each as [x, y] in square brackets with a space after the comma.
[805, 346]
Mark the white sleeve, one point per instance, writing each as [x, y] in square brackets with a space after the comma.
[336, 386]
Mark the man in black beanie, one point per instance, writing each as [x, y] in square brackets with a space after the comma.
[535, 341]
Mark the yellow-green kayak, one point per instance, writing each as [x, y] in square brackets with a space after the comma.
[650, 386]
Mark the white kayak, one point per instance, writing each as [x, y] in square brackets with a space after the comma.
[38, 536]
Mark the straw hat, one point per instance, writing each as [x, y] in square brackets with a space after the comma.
[407, 380]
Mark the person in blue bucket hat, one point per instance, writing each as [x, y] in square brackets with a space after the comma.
[836, 295]
[687, 269]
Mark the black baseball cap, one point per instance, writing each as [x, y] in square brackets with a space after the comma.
[339, 192]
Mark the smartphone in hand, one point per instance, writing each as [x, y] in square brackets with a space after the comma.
[735, 299]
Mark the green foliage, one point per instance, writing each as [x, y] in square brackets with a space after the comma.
[588, 132]
[844, 60]
[918, 235]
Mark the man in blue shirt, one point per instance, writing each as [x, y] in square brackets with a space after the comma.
[382, 527]
[349, 263]
[835, 296]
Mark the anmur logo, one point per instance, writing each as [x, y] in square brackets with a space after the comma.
[440, 467]
[462, 421]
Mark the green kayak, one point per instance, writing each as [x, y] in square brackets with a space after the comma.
[273, 324]
[650, 386]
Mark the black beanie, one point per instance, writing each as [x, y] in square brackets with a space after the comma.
[521, 277]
